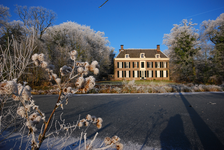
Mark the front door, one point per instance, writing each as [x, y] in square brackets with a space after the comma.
[143, 74]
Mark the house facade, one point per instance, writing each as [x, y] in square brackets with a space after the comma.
[148, 64]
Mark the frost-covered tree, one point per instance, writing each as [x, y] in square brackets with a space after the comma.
[213, 36]
[4, 14]
[182, 43]
[90, 45]
[36, 18]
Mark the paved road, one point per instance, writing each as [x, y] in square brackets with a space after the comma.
[167, 121]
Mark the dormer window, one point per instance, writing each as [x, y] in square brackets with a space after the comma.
[157, 55]
[142, 55]
[126, 55]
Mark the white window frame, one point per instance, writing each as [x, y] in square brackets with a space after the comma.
[126, 55]
[141, 65]
[120, 64]
[158, 64]
[157, 56]
[127, 65]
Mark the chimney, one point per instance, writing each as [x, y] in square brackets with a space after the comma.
[158, 48]
[122, 48]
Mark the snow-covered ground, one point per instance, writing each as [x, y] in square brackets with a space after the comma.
[16, 141]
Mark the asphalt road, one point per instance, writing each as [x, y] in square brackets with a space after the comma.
[163, 121]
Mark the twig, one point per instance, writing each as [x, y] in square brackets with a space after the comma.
[104, 3]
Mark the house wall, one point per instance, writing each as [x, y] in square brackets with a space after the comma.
[127, 73]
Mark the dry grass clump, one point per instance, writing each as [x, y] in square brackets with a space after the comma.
[104, 89]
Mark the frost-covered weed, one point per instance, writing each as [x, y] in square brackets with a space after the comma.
[117, 89]
[167, 88]
[29, 113]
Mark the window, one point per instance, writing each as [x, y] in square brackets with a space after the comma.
[157, 56]
[142, 55]
[126, 55]
[161, 73]
[150, 73]
[142, 64]
[127, 64]
[120, 65]
[161, 64]
[164, 64]
[135, 74]
[149, 64]
[119, 74]
[137, 64]
[127, 74]
[133, 64]
[164, 73]
[158, 74]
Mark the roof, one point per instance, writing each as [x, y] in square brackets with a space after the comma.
[135, 53]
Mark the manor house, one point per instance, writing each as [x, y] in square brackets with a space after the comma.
[139, 64]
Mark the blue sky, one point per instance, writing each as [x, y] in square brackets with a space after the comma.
[133, 23]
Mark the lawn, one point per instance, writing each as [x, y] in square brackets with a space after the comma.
[137, 82]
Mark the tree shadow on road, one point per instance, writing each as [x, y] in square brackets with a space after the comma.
[208, 139]
[173, 136]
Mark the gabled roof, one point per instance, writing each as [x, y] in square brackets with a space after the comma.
[135, 53]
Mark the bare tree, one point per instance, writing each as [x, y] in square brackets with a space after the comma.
[15, 58]
[36, 18]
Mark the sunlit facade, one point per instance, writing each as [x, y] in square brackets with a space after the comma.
[148, 64]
